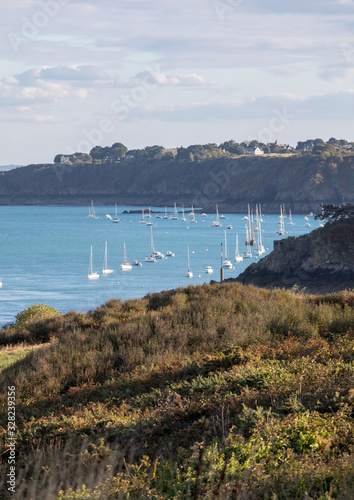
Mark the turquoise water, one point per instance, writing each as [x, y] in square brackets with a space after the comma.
[45, 253]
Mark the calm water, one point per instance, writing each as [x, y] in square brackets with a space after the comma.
[45, 253]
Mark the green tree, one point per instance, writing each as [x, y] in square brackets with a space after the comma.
[118, 151]
[35, 312]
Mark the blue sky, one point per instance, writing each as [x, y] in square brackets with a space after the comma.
[74, 74]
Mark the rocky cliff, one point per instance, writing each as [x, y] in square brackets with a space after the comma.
[301, 182]
[320, 262]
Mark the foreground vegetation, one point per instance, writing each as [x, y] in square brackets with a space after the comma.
[208, 392]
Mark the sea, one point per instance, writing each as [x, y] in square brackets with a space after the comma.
[45, 253]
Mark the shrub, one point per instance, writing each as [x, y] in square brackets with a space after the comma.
[35, 312]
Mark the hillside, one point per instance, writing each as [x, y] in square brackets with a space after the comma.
[207, 392]
[299, 181]
[320, 262]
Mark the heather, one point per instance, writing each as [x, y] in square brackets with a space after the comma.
[213, 391]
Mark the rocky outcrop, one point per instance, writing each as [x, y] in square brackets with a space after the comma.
[320, 262]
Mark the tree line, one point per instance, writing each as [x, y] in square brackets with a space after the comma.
[200, 152]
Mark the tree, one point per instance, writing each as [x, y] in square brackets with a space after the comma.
[333, 213]
[81, 157]
[35, 312]
[57, 159]
[324, 150]
[97, 153]
[118, 151]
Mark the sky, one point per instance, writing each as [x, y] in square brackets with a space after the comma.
[79, 73]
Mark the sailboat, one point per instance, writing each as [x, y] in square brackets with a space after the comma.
[248, 253]
[149, 222]
[281, 229]
[238, 257]
[91, 274]
[175, 214]
[105, 269]
[142, 221]
[192, 216]
[216, 223]
[165, 216]
[189, 273]
[151, 257]
[125, 266]
[183, 217]
[291, 223]
[92, 214]
[260, 248]
[251, 240]
[154, 253]
[116, 220]
[226, 264]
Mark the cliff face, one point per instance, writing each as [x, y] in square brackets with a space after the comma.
[320, 262]
[300, 182]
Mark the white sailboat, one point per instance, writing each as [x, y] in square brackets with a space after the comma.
[125, 266]
[281, 229]
[91, 274]
[189, 273]
[192, 216]
[175, 214]
[105, 269]
[260, 248]
[238, 257]
[151, 257]
[142, 221]
[291, 223]
[165, 216]
[183, 217]
[248, 253]
[149, 222]
[115, 220]
[216, 223]
[226, 263]
[92, 214]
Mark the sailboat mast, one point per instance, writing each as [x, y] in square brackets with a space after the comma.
[225, 247]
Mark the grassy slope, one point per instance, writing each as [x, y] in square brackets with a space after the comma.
[221, 391]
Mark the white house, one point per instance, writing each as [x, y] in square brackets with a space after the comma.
[255, 151]
[65, 159]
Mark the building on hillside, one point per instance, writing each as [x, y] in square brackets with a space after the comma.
[65, 158]
[277, 143]
[255, 151]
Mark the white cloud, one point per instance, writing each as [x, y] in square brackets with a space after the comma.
[205, 69]
[188, 80]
